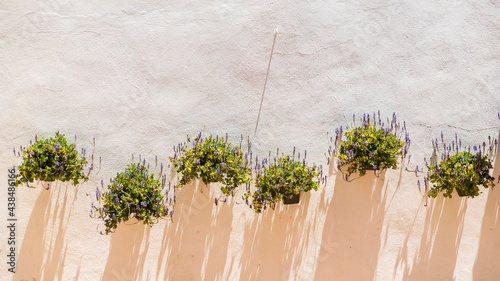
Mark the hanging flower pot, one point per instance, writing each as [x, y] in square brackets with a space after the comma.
[374, 145]
[461, 170]
[52, 159]
[213, 160]
[134, 194]
[282, 179]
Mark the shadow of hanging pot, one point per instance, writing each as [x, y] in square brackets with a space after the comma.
[292, 200]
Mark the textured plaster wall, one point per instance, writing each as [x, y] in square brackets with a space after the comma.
[140, 76]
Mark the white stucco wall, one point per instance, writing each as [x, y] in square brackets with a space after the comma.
[139, 77]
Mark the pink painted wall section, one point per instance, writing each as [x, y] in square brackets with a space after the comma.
[139, 77]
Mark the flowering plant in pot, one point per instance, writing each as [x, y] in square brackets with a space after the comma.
[133, 193]
[283, 178]
[52, 159]
[213, 159]
[374, 145]
[463, 170]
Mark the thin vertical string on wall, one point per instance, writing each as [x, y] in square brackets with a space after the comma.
[265, 82]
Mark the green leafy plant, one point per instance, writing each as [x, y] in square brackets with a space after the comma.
[463, 170]
[213, 160]
[50, 160]
[133, 193]
[372, 146]
[284, 177]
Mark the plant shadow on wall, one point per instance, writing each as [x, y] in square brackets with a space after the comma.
[280, 234]
[43, 250]
[51, 163]
[128, 250]
[352, 232]
[194, 246]
[438, 251]
[458, 172]
[135, 198]
[275, 243]
[486, 264]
